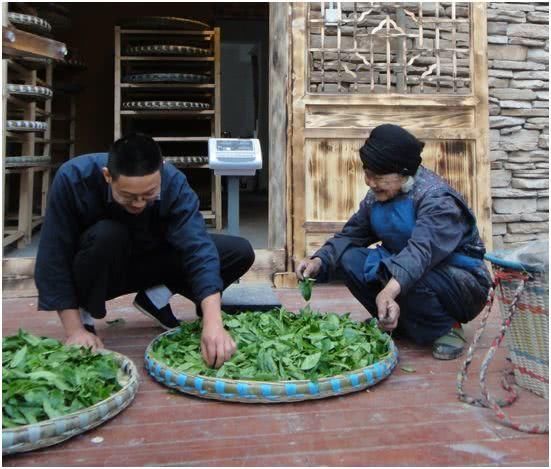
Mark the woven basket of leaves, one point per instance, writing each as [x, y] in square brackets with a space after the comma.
[51, 392]
[281, 357]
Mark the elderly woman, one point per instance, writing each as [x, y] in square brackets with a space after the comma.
[427, 276]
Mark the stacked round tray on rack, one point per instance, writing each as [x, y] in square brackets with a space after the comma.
[26, 126]
[165, 105]
[187, 160]
[29, 91]
[168, 49]
[166, 78]
[29, 23]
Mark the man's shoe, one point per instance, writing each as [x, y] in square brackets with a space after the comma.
[163, 316]
[450, 345]
[90, 328]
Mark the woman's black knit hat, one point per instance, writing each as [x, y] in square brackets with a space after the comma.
[391, 149]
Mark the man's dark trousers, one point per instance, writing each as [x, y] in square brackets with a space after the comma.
[107, 265]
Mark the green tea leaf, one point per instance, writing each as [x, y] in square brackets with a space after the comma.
[305, 287]
[18, 357]
[116, 322]
[310, 361]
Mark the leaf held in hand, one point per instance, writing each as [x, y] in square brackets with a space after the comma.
[305, 287]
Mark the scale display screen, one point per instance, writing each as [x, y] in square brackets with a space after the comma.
[234, 145]
[235, 156]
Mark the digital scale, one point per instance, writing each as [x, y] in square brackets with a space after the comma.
[233, 158]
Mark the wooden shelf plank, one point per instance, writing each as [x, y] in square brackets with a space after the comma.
[181, 139]
[168, 85]
[168, 114]
[166, 59]
[54, 140]
[158, 32]
[17, 43]
[37, 221]
[11, 236]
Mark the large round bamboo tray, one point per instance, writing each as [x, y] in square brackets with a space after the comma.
[53, 431]
[265, 391]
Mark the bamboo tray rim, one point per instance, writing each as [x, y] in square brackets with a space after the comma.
[126, 394]
[388, 362]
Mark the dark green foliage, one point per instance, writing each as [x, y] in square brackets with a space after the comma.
[305, 287]
[279, 345]
[43, 379]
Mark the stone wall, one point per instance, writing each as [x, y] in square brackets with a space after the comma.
[518, 79]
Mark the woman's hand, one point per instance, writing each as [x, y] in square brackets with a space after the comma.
[387, 308]
[388, 311]
[308, 268]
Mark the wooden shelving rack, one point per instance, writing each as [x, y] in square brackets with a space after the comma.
[182, 134]
[18, 226]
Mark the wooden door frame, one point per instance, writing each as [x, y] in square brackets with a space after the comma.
[301, 99]
[279, 65]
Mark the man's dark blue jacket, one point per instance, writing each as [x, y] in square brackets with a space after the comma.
[80, 197]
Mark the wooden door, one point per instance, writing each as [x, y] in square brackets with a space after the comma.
[420, 65]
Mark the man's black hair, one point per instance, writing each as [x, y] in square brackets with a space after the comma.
[134, 154]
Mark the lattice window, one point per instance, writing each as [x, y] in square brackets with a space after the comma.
[373, 47]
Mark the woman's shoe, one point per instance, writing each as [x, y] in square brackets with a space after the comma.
[450, 345]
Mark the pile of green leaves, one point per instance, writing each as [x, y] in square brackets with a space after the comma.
[279, 345]
[42, 379]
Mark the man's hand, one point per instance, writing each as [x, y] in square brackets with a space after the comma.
[83, 338]
[217, 346]
[75, 332]
[308, 268]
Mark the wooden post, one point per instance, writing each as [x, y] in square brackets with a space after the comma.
[118, 129]
[479, 72]
[295, 183]
[217, 206]
[4, 114]
[45, 190]
[278, 115]
[72, 125]
[24, 224]
[47, 150]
